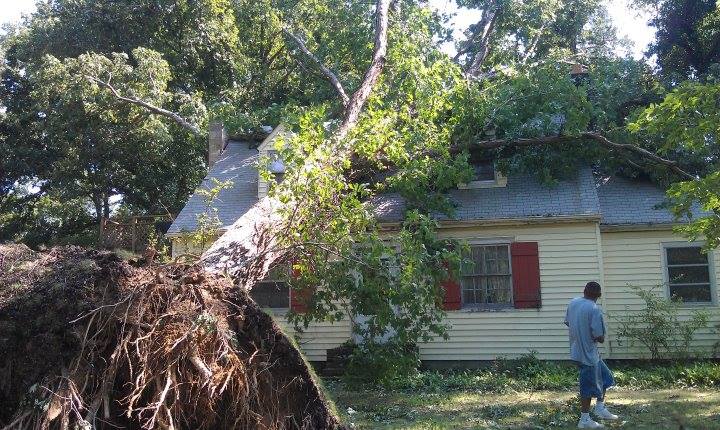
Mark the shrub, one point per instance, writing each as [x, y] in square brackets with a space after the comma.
[382, 363]
[659, 327]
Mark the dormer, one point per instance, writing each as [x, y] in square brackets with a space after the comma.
[485, 175]
[267, 150]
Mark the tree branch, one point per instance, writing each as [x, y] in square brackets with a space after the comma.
[598, 138]
[360, 96]
[484, 29]
[644, 153]
[150, 107]
[327, 73]
[246, 250]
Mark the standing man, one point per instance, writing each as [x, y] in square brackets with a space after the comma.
[587, 328]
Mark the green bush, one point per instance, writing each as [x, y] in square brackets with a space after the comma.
[376, 363]
[528, 373]
[658, 326]
[673, 375]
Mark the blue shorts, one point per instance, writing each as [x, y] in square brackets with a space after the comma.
[594, 380]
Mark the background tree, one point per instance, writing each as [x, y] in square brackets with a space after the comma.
[687, 38]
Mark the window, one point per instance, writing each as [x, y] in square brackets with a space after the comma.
[687, 271]
[484, 171]
[273, 291]
[487, 280]
[485, 176]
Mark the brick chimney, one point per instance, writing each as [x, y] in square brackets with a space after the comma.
[216, 142]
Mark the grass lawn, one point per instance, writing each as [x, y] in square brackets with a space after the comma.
[639, 409]
[529, 394]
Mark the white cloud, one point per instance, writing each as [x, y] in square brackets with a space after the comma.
[12, 10]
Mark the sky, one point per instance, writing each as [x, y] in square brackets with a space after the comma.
[628, 22]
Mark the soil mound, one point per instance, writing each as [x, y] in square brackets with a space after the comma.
[90, 341]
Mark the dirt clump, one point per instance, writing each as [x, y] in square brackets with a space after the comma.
[90, 341]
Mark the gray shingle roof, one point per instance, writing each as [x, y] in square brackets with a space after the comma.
[628, 201]
[617, 200]
[524, 196]
[238, 162]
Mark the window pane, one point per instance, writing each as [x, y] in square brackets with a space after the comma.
[686, 255]
[271, 294]
[688, 274]
[479, 259]
[503, 260]
[498, 289]
[484, 171]
[468, 288]
[691, 293]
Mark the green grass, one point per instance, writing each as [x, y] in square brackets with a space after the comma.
[530, 394]
[645, 409]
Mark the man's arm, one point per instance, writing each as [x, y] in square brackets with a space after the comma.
[597, 326]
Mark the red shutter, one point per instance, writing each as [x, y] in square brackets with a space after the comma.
[299, 300]
[451, 298]
[525, 274]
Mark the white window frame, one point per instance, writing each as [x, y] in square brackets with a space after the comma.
[487, 306]
[499, 181]
[711, 272]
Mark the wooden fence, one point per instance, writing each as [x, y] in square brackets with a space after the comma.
[133, 234]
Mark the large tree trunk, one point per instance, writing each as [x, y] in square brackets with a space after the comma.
[248, 249]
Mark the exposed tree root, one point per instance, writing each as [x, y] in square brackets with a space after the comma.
[89, 341]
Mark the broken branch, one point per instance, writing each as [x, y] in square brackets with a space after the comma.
[150, 107]
[597, 137]
[326, 72]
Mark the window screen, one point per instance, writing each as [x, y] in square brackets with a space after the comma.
[688, 274]
[486, 280]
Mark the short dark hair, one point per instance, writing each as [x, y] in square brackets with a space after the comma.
[593, 286]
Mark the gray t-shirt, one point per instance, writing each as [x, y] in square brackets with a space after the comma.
[585, 322]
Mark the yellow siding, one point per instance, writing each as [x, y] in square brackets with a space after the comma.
[571, 254]
[568, 260]
[318, 337]
[635, 257]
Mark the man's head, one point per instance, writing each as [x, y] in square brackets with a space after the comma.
[592, 291]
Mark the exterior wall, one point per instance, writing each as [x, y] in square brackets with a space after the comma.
[571, 254]
[318, 337]
[636, 258]
[569, 258]
[263, 149]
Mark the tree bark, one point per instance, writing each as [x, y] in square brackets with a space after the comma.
[485, 29]
[248, 248]
[327, 73]
[597, 137]
[177, 118]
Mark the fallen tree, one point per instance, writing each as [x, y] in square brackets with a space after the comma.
[90, 341]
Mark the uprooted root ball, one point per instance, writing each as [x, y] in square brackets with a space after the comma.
[89, 341]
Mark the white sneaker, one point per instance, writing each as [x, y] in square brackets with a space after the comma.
[589, 424]
[604, 414]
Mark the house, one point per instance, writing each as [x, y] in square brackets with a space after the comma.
[534, 246]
